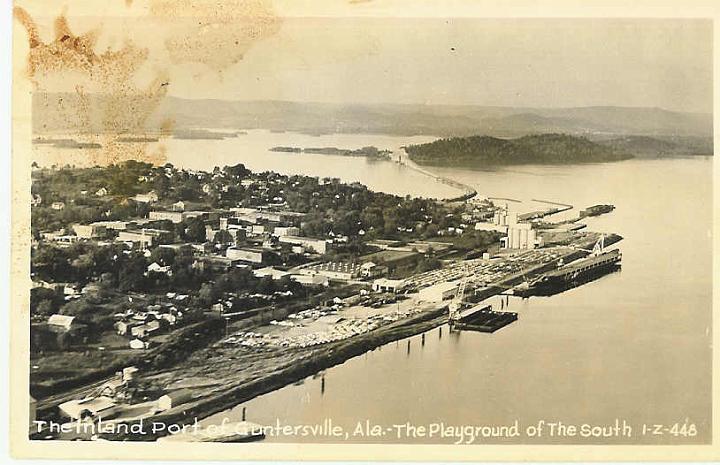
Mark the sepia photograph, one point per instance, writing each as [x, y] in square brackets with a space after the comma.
[355, 225]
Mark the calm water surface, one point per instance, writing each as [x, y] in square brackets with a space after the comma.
[634, 345]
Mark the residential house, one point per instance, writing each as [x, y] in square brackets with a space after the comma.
[61, 322]
[123, 327]
[146, 329]
[150, 197]
[139, 344]
[155, 267]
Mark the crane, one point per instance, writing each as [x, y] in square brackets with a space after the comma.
[456, 304]
[597, 249]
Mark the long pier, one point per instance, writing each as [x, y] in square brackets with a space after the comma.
[404, 159]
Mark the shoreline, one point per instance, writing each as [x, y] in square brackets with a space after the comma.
[330, 355]
[306, 363]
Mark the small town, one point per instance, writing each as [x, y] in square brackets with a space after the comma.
[158, 292]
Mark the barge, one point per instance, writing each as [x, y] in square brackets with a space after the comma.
[482, 318]
[573, 274]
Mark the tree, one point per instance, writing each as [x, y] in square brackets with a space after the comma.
[132, 274]
[195, 229]
[161, 185]
[237, 171]
[163, 256]
[222, 237]
[207, 294]
[45, 308]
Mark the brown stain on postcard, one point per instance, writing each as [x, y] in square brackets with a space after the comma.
[217, 34]
[100, 101]
[122, 107]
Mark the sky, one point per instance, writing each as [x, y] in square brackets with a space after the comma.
[374, 52]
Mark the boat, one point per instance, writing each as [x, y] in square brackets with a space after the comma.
[241, 431]
[597, 210]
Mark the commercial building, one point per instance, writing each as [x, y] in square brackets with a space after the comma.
[286, 231]
[163, 215]
[439, 292]
[250, 255]
[115, 225]
[521, 236]
[271, 272]
[388, 285]
[144, 237]
[315, 245]
[339, 271]
[89, 231]
[481, 226]
[311, 280]
[216, 263]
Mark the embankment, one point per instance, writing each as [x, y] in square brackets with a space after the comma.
[307, 363]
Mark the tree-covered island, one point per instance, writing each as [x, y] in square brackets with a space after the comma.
[532, 149]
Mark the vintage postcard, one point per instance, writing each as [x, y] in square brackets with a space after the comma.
[361, 230]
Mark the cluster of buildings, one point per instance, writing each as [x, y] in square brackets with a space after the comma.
[139, 326]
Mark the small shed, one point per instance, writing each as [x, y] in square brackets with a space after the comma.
[138, 344]
[174, 398]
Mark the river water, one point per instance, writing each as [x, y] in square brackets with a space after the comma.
[634, 345]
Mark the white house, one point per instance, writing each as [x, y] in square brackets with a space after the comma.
[147, 198]
[61, 321]
[155, 267]
[138, 344]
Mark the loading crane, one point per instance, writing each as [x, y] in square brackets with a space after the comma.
[456, 305]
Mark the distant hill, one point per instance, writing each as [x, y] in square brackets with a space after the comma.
[486, 150]
[660, 147]
[57, 113]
